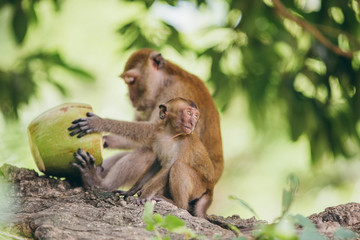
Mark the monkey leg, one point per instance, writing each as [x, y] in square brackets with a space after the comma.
[119, 172]
[154, 168]
[156, 184]
[109, 162]
[202, 204]
[128, 169]
[184, 185]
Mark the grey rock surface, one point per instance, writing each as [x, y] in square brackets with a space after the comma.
[49, 208]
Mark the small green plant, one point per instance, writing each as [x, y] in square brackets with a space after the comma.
[173, 224]
[244, 204]
[285, 227]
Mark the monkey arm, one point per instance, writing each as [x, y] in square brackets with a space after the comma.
[141, 132]
[114, 141]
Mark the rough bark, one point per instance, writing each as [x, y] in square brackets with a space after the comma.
[49, 208]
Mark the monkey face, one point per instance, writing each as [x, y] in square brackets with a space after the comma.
[181, 114]
[136, 85]
[143, 76]
[189, 119]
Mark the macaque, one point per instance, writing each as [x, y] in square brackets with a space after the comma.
[186, 170]
[151, 80]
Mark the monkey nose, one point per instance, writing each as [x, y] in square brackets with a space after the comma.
[192, 123]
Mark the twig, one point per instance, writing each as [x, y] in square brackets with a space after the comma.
[310, 28]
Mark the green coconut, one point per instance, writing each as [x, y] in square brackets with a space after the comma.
[51, 145]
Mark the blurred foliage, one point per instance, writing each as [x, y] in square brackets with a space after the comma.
[297, 61]
[19, 84]
[24, 14]
[291, 59]
[287, 226]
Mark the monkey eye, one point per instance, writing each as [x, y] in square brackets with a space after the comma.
[129, 80]
[188, 113]
[196, 116]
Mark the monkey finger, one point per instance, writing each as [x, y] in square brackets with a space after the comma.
[91, 158]
[143, 201]
[89, 114]
[80, 159]
[82, 153]
[139, 202]
[79, 120]
[78, 166]
[72, 127]
[83, 133]
[77, 125]
[76, 131]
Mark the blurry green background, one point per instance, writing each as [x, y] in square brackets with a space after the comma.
[289, 102]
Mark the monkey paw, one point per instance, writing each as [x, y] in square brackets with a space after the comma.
[85, 161]
[83, 126]
[141, 201]
[126, 194]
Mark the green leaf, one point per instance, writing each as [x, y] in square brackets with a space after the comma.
[57, 5]
[148, 214]
[234, 228]
[311, 234]
[158, 219]
[285, 230]
[303, 222]
[343, 42]
[148, 3]
[343, 233]
[337, 14]
[244, 204]
[189, 234]
[19, 24]
[356, 61]
[172, 222]
[289, 193]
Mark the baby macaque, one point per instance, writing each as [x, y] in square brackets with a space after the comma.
[186, 172]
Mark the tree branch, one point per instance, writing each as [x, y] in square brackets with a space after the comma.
[310, 28]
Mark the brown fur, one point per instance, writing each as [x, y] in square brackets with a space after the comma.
[185, 163]
[156, 81]
[180, 83]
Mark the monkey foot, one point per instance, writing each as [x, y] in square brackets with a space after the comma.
[141, 201]
[85, 161]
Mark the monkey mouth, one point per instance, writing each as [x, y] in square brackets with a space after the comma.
[187, 129]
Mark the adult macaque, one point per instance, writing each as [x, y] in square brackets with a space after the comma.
[186, 174]
[152, 80]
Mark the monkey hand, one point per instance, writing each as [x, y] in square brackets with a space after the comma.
[83, 126]
[86, 164]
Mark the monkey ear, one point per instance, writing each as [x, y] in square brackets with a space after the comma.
[130, 76]
[158, 61]
[163, 111]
